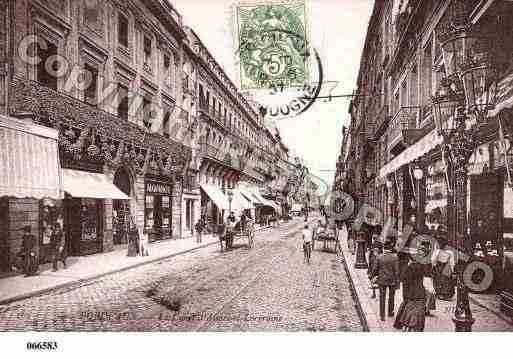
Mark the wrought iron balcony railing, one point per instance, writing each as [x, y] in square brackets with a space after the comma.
[214, 152]
[406, 118]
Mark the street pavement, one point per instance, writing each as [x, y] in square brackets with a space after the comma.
[485, 307]
[268, 287]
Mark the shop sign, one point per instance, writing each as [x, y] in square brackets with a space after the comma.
[158, 188]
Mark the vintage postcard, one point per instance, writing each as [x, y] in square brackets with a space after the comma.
[348, 171]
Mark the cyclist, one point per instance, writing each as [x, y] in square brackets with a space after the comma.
[307, 240]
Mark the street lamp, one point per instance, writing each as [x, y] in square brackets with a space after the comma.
[469, 86]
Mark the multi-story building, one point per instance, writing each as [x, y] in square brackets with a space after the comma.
[393, 151]
[102, 77]
[113, 115]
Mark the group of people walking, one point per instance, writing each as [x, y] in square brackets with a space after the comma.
[389, 268]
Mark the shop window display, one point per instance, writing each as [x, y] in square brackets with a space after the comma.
[157, 210]
[50, 213]
[436, 196]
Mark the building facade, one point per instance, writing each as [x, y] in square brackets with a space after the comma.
[392, 153]
[140, 123]
[106, 76]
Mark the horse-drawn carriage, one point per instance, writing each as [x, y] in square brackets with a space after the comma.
[329, 235]
[229, 233]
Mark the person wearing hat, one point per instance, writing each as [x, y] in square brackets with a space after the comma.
[386, 270]
[443, 262]
[28, 252]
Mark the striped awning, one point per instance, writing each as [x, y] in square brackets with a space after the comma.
[216, 195]
[421, 147]
[83, 184]
[29, 160]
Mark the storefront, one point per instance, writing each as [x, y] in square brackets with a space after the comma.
[158, 203]
[29, 186]
[84, 209]
[214, 204]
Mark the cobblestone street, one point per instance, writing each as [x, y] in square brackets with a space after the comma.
[266, 288]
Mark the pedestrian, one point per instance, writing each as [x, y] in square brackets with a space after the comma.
[376, 251]
[307, 239]
[243, 221]
[386, 269]
[58, 247]
[28, 252]
[143, 243]
[198, 228]
[133, 239]
[411, 315]
[443, 263]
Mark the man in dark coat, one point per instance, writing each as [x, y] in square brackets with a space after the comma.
[28, 252]
[386, 269]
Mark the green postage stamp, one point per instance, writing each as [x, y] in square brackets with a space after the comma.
[272, 44]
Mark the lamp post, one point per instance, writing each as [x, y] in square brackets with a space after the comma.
[418, 174]
[459, 110]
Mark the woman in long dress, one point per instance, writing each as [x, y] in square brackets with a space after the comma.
[443, 268]
[411, 316]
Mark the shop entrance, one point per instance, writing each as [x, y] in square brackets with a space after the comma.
[485, 197]
[121, 207]
[83, 218]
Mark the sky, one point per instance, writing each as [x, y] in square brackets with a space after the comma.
[337, 29]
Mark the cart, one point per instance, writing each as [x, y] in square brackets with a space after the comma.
[229, 235]
[330, 239]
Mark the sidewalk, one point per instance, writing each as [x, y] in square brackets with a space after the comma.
[485, 308]
[80, 269]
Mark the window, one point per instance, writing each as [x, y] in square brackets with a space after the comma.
[123, 102]
[167, 62]
[43, 76]
[147, 50]
[427, 71]
[165, 124]
[90, 93]
[91, 13]
[167, 70]
[122, 30]
[147, 114]
[404, 93]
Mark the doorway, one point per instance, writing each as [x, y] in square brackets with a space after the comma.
[121, 207]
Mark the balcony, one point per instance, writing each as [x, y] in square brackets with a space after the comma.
[188, 86]
[403, 127]
[382, 118]
[215, 153]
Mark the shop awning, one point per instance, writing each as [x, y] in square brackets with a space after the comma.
[239, 202]
[29, 162]
[90, 185]
[216, 195]
[421, 147]
[263, 201]
[504, 95]
[276, 206]
[249, 195]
